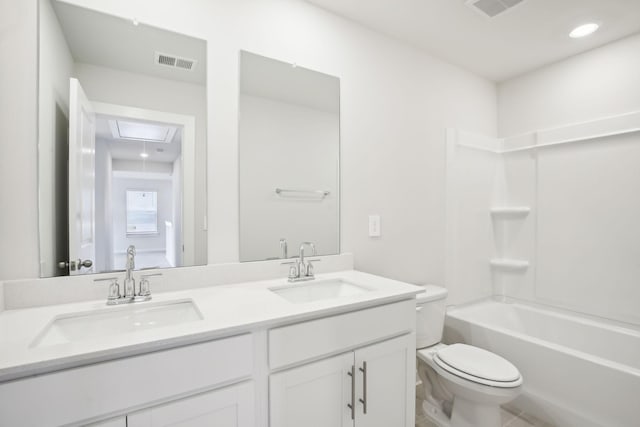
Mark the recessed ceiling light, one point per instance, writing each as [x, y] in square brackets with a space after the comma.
[583, 30]
[144, 155]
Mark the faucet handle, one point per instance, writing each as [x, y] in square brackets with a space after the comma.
[309, 272]
[114, 288]
[293, 271]
[145, 286]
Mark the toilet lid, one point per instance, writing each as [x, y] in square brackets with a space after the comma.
[476, 362]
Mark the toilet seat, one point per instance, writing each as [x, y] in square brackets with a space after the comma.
[477, 365]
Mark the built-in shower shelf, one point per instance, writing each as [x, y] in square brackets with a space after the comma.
[510, 211]
[509, 264]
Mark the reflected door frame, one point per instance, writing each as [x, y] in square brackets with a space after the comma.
[188, 163]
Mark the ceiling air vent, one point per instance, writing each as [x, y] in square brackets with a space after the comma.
[492, 8]
[174, 61]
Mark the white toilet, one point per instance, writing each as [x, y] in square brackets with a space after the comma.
[464, 385]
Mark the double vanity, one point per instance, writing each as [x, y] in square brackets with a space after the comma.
[335, 351]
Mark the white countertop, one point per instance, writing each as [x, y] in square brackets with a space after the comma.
[226, 310]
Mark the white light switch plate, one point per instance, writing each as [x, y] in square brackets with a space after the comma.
[374, 225]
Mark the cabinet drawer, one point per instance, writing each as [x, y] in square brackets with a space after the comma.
[330, 335]
[96, 391]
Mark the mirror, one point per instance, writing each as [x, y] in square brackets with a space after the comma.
[122, 143]
[289, 149]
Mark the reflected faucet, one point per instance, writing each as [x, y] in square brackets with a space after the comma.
[129, 282]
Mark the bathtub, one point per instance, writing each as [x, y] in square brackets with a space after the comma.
[577, 371]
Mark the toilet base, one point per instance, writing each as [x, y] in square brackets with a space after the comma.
[473, 414]
[434, 414]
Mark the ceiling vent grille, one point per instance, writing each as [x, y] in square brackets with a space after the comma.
[174, 61]
[492, 8]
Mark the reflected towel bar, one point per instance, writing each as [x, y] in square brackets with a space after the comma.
[321, 193]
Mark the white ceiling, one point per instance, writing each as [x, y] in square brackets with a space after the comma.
[109, 41]
[530, 35]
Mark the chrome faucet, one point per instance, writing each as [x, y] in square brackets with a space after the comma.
[130, 294]
[302, 269]
[129, 282]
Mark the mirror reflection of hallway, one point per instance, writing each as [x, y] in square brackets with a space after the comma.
[138, 164]
[138, 169]
[120, 64]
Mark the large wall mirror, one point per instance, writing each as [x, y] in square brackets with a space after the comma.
[122, 143]
[289, 146]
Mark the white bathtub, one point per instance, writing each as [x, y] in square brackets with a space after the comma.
[577, 371]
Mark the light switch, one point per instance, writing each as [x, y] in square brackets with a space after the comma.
[374, 225]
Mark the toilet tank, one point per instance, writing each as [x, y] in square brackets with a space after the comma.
[430, 312]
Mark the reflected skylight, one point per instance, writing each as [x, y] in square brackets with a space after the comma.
[138, 131]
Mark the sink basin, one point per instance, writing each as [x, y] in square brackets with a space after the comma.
[316, 291]
[75, 327]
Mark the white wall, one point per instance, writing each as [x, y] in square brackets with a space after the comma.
[599, 83]
[396, 102]
[18, 149]
[154, 242]
[124, 88]
[287, 146]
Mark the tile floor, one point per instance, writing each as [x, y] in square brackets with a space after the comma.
[509, 418]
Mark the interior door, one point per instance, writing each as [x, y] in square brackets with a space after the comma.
[385, 383]
[82, 149]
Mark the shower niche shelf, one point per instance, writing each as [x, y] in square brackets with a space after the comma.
[510, 211]
[509, 264]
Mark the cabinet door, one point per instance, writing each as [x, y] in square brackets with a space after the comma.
[313, 395]
[385, 383]
[228, 407]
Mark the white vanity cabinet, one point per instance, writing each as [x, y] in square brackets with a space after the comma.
[346, 366]
[325, 394]
[228, 407]
[161, 381]
[372, 385]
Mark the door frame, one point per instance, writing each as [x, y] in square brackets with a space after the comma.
[188, 163]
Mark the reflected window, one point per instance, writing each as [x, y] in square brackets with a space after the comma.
[142, 212]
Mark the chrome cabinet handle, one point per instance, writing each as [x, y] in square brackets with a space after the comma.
[352, 405]
[364, 386]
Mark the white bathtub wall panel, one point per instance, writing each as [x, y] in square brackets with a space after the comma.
[588, 233]
[519, 231]
[472, 179]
